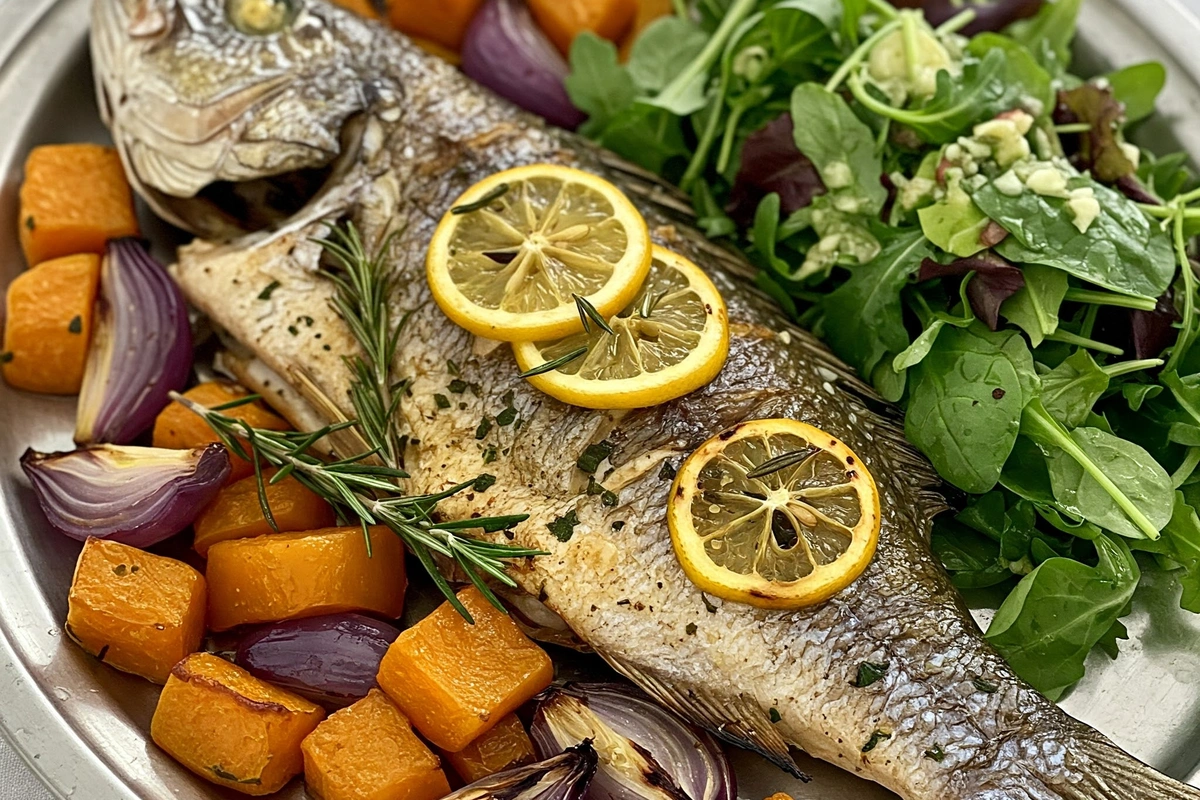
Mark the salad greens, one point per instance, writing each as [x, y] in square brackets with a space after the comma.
[963, 220]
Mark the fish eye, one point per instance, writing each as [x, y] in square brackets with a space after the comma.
[261, 17]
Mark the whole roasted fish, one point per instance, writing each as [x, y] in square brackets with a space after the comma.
[249, 122]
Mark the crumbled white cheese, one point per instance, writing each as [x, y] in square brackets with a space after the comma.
[1133, 153]
[837, 175]
[1084, 207]
[888, 65]
[1048, 182]
[913, 193]
[1009, 184]
[1005, 138]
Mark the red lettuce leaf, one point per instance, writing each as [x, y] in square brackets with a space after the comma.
[995, 281]
[990, 15]
[771, 162]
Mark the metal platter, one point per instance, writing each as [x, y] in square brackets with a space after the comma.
[83, 727]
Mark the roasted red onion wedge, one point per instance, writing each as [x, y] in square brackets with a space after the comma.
[141, 348]
[332, 660]
[507, 52]
[138, 496]
[645, 752]
[561, 777]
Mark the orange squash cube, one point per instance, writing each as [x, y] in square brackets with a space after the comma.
[177, 428]
[369, 752]
[442, 21]
[503, 747]
[135, 611]
[294, 575]
[48, 324]
[230, 728]
[563, 20]
[647, 12]
[74, 199]
[455, 680]
[236, 513]
[363, 8]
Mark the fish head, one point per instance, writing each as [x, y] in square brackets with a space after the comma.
[230, 114]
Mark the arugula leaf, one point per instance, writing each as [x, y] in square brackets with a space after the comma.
[1136, 394]
[1034, 308]
[1047, 626]
[598, 84]
[660, 49]
[866, 318]
[1050, 33]
[1122, 249]
[955, 223]
[1020, 68]
[646, 135]
[1070, 390]
[841, 147]
[1181, 538]
[965, 403]
[1100, 477]
[1137, 87]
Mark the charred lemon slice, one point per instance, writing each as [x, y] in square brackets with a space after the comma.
[774, 513]
[670, 340]
[509, 258]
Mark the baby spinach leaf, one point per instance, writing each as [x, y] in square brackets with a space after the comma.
[1034, 308]
[1122, 249]
[1025, 473]
[954, 223]
[1138, 87]
[1020, 68]
[1049, 34]
[1100, 477]
[646, 135]
[841, 146]
[965, 404]
[973, 560]
[1181, 538]
[660, 50]
[1136, 394]
[916, 352]
[1060, 611]
[598, 84]
[864, 318]
[1070, 390]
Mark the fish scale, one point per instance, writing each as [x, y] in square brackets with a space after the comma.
[413, 135]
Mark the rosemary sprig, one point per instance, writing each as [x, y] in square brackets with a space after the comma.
[588, 312]
[483, 202]
[782, 461]
[550, 366]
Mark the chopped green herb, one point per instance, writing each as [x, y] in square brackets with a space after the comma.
[550, 366]
[506, 417]
[608, 499]
[441, 401]
[308, 321]
[691, 629]
[483, 202]
[667, 473]
[936, 753]
[29, 223]
[75, 325]
[267, 291]
[228, 776]
[293, 330]
[594, 455]
[876, 738]
[563, 527]
[484, 482]
[775, 715]
[452, 367]
[987, 687]
[485, 427]
[868, 673]
[6, 357]
[457, 386]
[708, 604]
[489, 455]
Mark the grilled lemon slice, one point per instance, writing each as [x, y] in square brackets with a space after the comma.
[508, 258]
[774, 513]
[670, 340]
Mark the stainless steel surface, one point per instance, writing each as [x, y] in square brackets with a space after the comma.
[82, 727]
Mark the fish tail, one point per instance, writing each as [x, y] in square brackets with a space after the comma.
[1112, 774]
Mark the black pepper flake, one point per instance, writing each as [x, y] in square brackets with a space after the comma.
[774, 715]
[667, 473]
[293, 330]
[462, 406]
[457, 386]
[484, 482]
[308, 321]
[120, 570]
[987, 687]
[936, 753]
[589, 461]
[506, 417]
[563, 527]
[712, 609]
[441, 400]
[489, 455]
[869, 672]
[6, 357]
[876, 738]
[268, 290]
[623, 602]
[485, 427]
[326, 347]
[618, 525]
[998, 394]
[75, 325]
[691, 629]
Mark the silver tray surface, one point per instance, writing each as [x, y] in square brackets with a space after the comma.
[82, 727]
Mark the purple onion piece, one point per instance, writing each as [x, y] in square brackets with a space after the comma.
[141, 348]
[507, 52]
[332, 660]
[137, 496]
[659, 757]
[561, 777]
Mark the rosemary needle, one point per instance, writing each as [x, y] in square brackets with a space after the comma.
[782, 461]
[587, 312]
[483, 202]
[550, 366]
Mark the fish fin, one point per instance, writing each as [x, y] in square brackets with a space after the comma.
[739, 721]
[1109, 773]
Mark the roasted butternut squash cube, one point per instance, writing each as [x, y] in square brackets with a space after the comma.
[48, 324]
[235, 513]
[293, 575]
[563, 20]
[503, 747]
[73, 200]
[229, 727]
[135, 611]
[369, 752]
[455, 680]
[442, 21]
[177, 428]
[364, 8]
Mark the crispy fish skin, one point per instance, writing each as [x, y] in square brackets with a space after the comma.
[412, 134]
